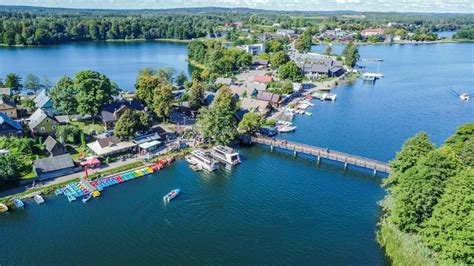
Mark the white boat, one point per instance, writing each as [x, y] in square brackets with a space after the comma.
[205, 161]
[286, 129]
[464, 96]
[189, 159]
[38, 199]
[225, 154]
[173, 194]
[330, 96]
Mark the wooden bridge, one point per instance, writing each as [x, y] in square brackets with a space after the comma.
[319, 153]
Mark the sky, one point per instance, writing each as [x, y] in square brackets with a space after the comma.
[440, 6]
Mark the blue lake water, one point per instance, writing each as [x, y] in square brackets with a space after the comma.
[120, 61]
[272, 209]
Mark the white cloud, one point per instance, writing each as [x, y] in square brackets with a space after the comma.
[463, 6]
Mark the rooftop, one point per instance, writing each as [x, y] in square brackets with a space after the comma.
[54, 163]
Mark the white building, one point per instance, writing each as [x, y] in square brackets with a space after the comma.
[253, 49]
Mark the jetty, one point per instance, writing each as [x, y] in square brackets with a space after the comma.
[323, 153]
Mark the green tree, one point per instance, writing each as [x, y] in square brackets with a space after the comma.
[131, 122]
[94, 90]
[290, 71]
[146, 86]
[250, 124]
[63, 95]
[181, 79]
[418, 192]
[413, 149]
[10, 165]
[351, 54]
[274, 46]
[196, 95]
[68, 134]
[218, 122]
[450, 230]
[32, 82]
[13, 81]
[328, 50]
[278, 59]
[167, 73]
[163, 100]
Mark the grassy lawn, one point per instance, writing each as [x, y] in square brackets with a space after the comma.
[28, 175]
[77, 151]
[88, 127]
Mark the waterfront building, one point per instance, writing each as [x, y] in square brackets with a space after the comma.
[111, 146]
[53, 167]
[372, 32]
[272, 98]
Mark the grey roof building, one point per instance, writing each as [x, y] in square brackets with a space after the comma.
[53, 167]
[54, 147]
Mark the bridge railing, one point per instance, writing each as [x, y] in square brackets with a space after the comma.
[317, 151]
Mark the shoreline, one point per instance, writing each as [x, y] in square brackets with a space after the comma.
[186, 41]
[97, 42]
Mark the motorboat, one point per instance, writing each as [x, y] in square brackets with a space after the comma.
[225, 154]
[3, 207]
[286, 129]
[173, 194]
[38, 199]
[330, 97]
[18, 203]
[464, 96]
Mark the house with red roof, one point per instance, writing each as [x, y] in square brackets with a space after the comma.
[262, 79]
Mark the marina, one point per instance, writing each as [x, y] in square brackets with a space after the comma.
[91, 188]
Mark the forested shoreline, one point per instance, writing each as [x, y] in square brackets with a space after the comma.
[428, 212]
[42, 26]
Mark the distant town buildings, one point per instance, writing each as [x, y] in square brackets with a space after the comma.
[372, 32]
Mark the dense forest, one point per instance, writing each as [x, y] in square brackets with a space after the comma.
[429, 210]
[36, 26]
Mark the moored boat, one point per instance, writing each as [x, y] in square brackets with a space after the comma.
[286, 129]
[87, 198]
[38, 199]
[3, 207]
[201, 158]
[173, 194]
[225, 154]
[18, 203]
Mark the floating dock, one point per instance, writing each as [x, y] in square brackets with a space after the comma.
[84, 187]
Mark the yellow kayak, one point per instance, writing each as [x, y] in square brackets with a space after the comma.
[96, 194]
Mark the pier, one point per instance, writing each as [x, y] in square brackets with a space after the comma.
[322, 153]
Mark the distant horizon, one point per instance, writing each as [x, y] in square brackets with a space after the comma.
[378, 6]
